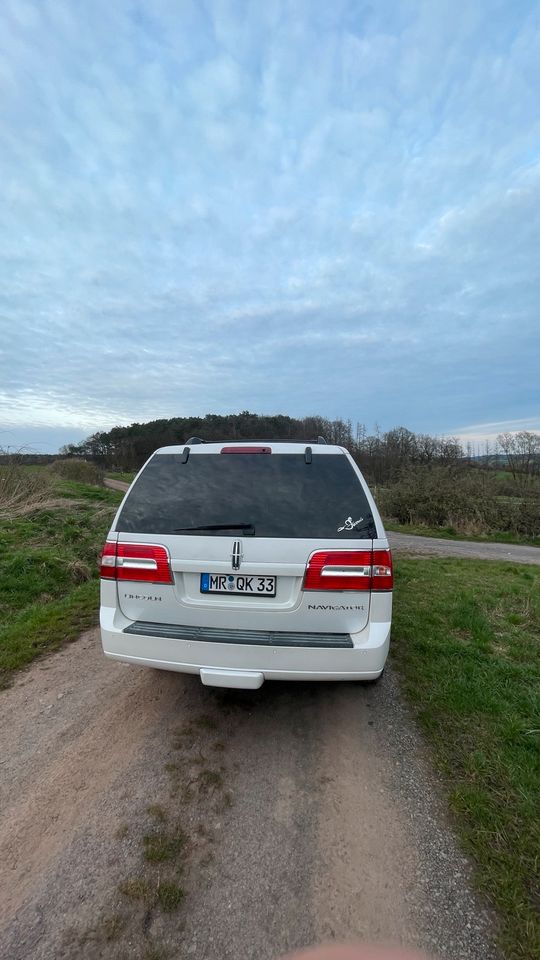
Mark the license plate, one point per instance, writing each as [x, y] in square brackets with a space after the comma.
[238, 583]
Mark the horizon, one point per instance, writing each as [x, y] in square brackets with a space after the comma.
[472, 443]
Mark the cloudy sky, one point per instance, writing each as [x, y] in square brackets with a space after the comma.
[282, 206]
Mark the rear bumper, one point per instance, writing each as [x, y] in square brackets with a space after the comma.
[364, 659]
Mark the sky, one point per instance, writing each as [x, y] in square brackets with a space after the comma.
[295, 207]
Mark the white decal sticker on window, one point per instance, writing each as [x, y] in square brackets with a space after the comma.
[349, 524]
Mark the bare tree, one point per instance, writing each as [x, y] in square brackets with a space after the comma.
[522, 451]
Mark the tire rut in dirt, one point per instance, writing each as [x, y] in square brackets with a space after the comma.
[257, 903]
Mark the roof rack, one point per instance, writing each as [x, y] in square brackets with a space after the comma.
[194, 440]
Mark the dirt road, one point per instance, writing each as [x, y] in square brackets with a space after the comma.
[433, 546]
[308, 812]
[116, 484]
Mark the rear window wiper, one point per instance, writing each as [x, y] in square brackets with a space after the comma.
[219, 526]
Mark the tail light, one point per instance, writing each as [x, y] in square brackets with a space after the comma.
[349, 570]
[382, 574]
[135, 561]
[339, 570]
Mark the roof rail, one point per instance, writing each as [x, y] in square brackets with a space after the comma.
[193, 440]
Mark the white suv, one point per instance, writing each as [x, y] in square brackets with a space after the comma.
[249, 561]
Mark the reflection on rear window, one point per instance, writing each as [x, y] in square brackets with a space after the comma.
[280, 495]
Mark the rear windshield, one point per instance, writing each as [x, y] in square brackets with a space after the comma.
[262, 495]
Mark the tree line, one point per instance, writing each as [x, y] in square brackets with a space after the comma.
[381, 455]
[126, 448]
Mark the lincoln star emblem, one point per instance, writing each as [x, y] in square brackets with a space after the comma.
[236, 555]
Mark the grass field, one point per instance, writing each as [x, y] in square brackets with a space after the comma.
[448, 533]
[467, 643]
[48, 573]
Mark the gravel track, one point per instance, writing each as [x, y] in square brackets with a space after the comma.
[434, 546]
[334, 827]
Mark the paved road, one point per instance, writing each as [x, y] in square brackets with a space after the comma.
[407, 543]
[309, 812]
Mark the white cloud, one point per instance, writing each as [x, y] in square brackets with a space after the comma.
[32, 409]
[482, 432]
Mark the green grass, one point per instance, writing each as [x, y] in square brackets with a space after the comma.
[49, 583]
[169, 895]
[162, 844]
[74, 490]
[449, 533]
[467, 643]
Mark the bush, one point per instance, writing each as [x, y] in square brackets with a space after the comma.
[79, 470]
[519, 516]
[467, 501]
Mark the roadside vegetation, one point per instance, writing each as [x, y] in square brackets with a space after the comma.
[25, 491]
[79, 470]
[456, 500]
[466, 642]
[51, 531]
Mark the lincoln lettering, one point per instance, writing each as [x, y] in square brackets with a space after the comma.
[137, 596]
[329, 606]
